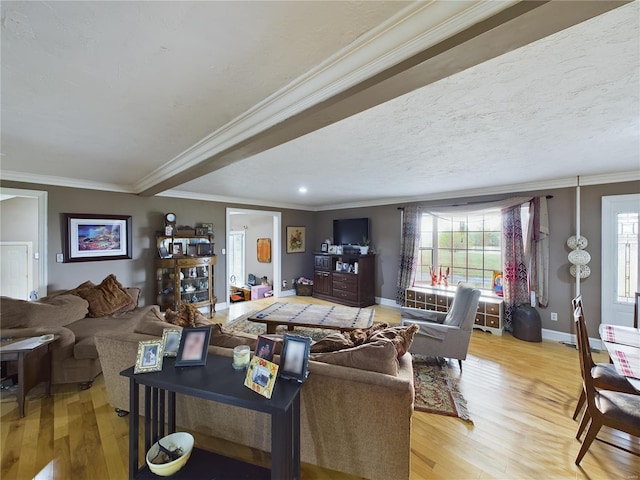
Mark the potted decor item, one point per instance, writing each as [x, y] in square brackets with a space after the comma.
[364, 246]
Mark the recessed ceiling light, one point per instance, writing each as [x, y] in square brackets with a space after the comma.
[302, 190]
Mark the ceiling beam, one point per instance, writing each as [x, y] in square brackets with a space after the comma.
[511, 28]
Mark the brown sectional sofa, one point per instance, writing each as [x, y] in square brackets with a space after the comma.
[74, 357]
[352, 420]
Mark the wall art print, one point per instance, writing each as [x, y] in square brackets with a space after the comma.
[91, 238]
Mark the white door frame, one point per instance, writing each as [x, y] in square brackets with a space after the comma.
[276, 246]
[612, 311]
[43, 248]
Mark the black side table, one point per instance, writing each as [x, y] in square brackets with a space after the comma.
[34, 364]
[217, 382]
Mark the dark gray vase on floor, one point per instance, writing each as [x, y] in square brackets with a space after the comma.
[526, 324]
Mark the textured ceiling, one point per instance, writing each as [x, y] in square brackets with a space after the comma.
[109, 91]
[563, 106]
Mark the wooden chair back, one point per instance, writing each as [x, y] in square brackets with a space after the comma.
[635, 310]
[577, 304]
[586, 363]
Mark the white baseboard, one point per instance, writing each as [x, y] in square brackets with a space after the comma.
[554, 335]
[387, 302]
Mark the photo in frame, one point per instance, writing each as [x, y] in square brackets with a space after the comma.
[208, 226]
[149, 358]
[324, 248]
[261, 376]
[90, 238]
[265, 348]
[333, 248]
[201, 231]
[497, 283]
[264, 250]
[296, 239]
[194, 343]
[295, 357]
[171, 341]
[176, 248]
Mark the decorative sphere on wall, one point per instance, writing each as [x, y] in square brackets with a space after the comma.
[581, 243]
[579, 257]
[585, 271]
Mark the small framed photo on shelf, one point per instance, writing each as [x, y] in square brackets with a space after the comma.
[324, 247]
[333, 249]
[205, 250]
[149, 357]
[194, 343]
[171, 341]
[176, 248]
[261, 376]
[201, 231]
[265, 348]
[208, 226]
[295, 357]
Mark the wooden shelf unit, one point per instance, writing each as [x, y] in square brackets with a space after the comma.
[488, 317]
[351, 289]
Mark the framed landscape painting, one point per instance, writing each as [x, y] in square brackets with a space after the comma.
[296, 239]
[96, 237]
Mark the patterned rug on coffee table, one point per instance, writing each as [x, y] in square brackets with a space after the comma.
[436, 390]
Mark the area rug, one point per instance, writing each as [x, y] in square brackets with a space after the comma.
[436, 390]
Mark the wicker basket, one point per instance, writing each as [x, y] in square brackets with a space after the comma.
[303, 290]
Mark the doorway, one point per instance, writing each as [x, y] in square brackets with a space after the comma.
[245, 228]
[24, 221]
[620, 262]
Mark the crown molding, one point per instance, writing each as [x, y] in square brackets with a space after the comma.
[13, 176]
[412, 30]
[497, 190]
[205, 197]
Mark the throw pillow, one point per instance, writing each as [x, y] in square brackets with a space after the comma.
[105, 299]
[222, 338]
[401, 337]
[153, 323]
[186, 316]
[361, 335]
[331, 343]
[56, 311]
[379, 356]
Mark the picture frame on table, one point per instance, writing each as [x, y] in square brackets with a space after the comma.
[171, 341]
[295, 357]
[149, 357]
[265, 348]
[208, 226]
[97, 237]
[194, 343]
[324, 248]
[202, 231]
[261, 376]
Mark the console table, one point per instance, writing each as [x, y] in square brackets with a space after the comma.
[217, 381]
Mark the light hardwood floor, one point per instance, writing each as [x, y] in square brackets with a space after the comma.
[521, 396]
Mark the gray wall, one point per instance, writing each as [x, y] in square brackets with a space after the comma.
[385, 238]
[19, 223]
[148, 218]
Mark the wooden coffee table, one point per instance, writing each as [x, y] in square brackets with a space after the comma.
[34, 364]
[314, 316]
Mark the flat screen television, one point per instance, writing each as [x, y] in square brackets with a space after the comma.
[350, 231]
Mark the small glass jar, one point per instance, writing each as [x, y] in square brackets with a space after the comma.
[241, 357]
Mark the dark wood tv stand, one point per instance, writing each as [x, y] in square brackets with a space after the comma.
[351, 289]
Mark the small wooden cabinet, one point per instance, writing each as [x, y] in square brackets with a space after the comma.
[343, 286]
[488, 316]
[186, 279]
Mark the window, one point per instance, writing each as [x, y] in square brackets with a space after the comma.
[469, 245]
[236, 258]
[627, 256]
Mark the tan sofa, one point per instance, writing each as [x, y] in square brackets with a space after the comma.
[74, 357]
[352, 420]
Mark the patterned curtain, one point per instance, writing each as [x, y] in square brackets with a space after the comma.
[409, 243]
[514, 276]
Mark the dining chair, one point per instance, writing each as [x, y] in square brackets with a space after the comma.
[605, 376]
[620, 411]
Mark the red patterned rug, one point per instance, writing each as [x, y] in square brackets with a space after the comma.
[436, 390]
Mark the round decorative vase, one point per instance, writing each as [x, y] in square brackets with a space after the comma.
[526, 324]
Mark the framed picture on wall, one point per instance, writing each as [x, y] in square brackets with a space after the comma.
[90, 238]
[264, 250]
[296, 239]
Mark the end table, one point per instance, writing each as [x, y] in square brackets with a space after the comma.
[34, 364]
